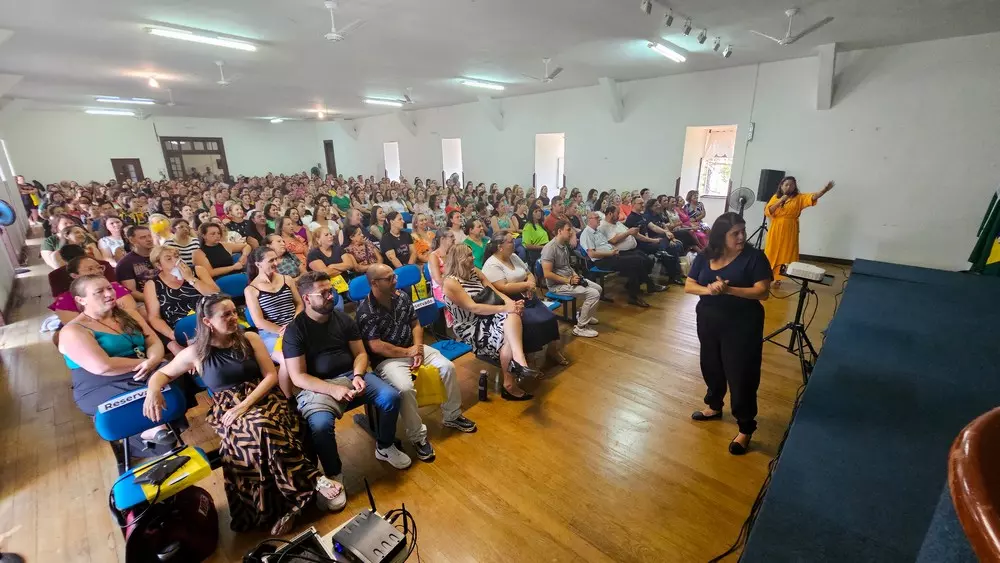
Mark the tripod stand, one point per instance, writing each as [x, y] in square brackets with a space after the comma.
[759, 234]
[799, 341]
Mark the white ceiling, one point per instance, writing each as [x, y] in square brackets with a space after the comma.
[69, 51]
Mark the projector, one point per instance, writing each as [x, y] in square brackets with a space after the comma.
[804, 271]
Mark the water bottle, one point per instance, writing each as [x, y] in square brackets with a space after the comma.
[483, 378]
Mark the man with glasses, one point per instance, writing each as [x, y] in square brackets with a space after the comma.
[395, 338]
[325, 358]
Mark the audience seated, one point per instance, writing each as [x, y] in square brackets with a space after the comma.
[388, 323]
[51, 244]
[182, 240]
[65, 306]
[135, 268]
[633, 266]
[108, 350]
[327, 366]
[173, 293]
[111, 241]
[397, 244]
[563, 280]
[361, 249]
[511, 276]
[214, 255]
[476, 240]
[269, 478]
[272, 299]
[491, 324]
[423, 238]
[328, 256]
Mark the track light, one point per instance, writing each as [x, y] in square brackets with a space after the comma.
[728, 52]
[668, 20]
[717, 43]
[646, 6]
[687, 27]
[702, 36]
[667, 52]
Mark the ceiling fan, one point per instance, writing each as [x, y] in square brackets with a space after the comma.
[338, 34]
[548, 76]
[223, 81]
[789, 38]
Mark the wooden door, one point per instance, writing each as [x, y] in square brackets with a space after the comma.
[127, 169]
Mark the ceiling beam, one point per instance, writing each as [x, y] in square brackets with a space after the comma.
[493, 111]
[824, 79]
[613, 97]
[406, 118]
[350, 126]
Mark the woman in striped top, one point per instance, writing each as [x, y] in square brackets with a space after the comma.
[272, 299]
[183, 241]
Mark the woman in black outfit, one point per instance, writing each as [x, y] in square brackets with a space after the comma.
[216, 256]
[732, 279]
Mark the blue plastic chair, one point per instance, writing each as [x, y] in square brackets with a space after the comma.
[593, 270]
[120, 418]
[407, 276]
[185, 329]
[359, 288]
[236, 257]
[407, 217]
[233, 286]
[568, 302]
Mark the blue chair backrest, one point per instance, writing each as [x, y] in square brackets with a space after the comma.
[236, 257]
[358, 288]
[232, 285]
[121, 416]
[427, 272]
[539, 274]
[407, 276]
[185, 329]
[407, 217]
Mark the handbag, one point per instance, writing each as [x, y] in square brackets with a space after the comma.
[488, 297]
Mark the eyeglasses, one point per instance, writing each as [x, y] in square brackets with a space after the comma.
[325, 294]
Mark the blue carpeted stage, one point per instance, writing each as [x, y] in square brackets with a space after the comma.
[911, 357]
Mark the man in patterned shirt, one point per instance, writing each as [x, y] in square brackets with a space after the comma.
[394, 338]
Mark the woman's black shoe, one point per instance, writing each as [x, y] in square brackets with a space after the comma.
[523, 373]
[700, 416]
[736, 448]
[507, 396]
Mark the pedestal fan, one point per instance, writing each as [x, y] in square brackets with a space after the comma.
[7, 218]
[740, 200]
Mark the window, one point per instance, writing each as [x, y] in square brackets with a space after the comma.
[199, 146]
[715, 174]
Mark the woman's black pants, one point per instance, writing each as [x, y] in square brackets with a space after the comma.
[731, 348]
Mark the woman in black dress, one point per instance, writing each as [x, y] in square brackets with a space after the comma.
[732, 279]
[216, 256]
[269, 479]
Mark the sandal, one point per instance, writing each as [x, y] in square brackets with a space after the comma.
[331, 495]
[284, 524]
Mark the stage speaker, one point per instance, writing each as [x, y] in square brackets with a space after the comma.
[769, 180]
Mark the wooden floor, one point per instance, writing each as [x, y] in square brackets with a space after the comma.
[604, 465]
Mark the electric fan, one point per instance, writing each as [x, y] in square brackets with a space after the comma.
[7, 215]
[740, 199]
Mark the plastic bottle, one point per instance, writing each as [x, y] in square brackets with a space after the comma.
[483, 379]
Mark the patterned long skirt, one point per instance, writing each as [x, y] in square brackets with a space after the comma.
[264, 463]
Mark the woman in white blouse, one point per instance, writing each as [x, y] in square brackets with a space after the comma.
[112, 244]
[509, 274]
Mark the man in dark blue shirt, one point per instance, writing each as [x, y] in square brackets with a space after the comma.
[395, 338]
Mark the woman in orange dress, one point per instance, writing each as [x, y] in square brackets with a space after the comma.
[784, 209]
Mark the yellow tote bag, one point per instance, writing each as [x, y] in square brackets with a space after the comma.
[419, 289]
[428, 385]
[338, 283]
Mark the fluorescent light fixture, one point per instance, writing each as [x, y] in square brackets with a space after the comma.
[667, 52]
[481, 84]
[125, 112]
[216, 40]
[277, 120]
[117, 100]
[389, 103]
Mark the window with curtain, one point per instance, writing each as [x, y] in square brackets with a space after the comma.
[717, 164]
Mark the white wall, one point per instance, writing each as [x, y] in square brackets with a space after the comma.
[694, 151]
[911, 141]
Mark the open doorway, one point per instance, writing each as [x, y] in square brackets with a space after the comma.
[451, 160]
[550, 161]
[707, 166]
[391, 153]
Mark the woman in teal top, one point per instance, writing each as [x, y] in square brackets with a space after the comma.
[108, 350]
[477, 241]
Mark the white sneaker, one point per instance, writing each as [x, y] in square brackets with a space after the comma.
[584, 332]
[396, 458]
